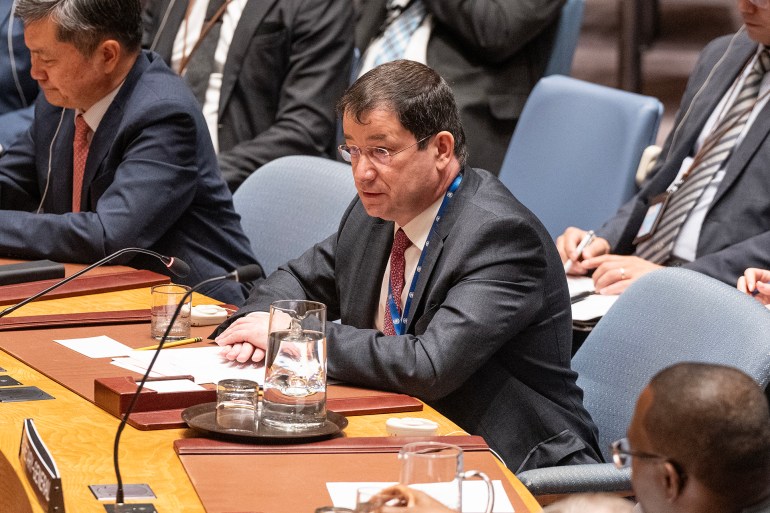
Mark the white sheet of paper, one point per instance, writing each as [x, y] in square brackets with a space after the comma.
[96, 347]
[173, 385]
[343, 495]
[203, 363]
[592, 307]
[578, 284]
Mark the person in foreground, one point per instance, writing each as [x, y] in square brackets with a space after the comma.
[486, 337]
[699, 441]
[706, 205]
[118, 154]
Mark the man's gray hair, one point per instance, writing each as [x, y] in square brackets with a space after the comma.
[86, 23]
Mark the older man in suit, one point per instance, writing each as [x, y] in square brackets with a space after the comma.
[446, 287]
[707, 206]
[266, 72]
[118, 154]
[491, 53]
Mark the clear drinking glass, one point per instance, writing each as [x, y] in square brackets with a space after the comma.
[165, 299]
[237, 401]
[436, 468]
[294, 397]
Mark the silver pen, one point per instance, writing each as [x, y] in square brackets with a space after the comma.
[587, 238]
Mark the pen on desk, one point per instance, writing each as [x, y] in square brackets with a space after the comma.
[172, 343]
[583, 245]
[187, 377]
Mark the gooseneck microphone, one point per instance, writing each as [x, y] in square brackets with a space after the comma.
[243, 274]
[175, 265]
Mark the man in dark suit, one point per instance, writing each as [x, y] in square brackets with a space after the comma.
[481, 329]
[706, 207]
[273, 72]
[118, 154]
[491, 53]
[17, 88]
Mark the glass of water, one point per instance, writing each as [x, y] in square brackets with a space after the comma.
[294, 397]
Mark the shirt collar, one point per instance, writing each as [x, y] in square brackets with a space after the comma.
[94, 115]
[418, 228]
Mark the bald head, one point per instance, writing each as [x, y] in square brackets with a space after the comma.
[713, 421]
[591, 503]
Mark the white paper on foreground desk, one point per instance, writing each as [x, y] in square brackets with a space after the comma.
[96, 347]
[203, 363]
[474, 495]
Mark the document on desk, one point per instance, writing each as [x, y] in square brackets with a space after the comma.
[203, 363]
[474, 494]
[96, 347]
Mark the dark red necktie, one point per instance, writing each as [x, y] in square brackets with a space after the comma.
[79, 156]
[397, 264]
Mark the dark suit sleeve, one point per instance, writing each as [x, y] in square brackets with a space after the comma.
[144, 194]
[496, 29]
[321, 52]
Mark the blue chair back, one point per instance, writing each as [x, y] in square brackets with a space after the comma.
[291, 203]
[573, 156]
[668, 316]
[567, 35]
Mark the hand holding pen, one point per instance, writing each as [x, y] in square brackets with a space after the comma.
[584, 242]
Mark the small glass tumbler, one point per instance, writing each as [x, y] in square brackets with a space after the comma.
[237, 401]
[165, 299]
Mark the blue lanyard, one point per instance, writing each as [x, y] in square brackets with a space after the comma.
[400, 321]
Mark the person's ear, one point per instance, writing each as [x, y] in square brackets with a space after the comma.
[674, 481]
[445, 146]
[110, 51]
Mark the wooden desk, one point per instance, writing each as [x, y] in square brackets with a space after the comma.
[80, 435]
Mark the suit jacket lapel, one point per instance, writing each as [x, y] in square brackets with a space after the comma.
[253, 14]
[434, 249]
[711, 94]
[367, 278]
[370, 16]
[176, 13]
[108, 127]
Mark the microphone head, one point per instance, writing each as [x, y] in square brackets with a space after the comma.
[178, 266]
[246, 273]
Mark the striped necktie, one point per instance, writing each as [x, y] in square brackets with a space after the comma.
[714, 153]
[399, 31]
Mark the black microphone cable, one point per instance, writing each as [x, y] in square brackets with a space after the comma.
[242, 274]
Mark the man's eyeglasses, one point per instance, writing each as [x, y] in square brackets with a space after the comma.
[373, 153]
[622, 455]
[762, 4]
